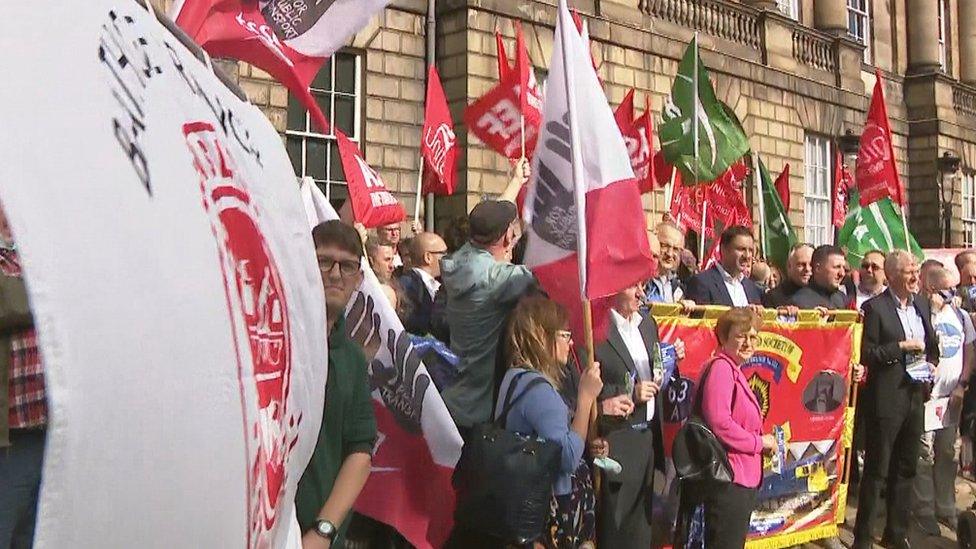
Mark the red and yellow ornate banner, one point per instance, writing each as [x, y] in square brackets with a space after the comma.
[801, 375]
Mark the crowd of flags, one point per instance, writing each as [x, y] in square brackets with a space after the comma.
[590, 164]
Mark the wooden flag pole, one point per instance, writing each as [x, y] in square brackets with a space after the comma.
[522, 122]
[701, 235]
[904, 225]
[420, 187]
[669, 193]
[591, 430]
[757, 178]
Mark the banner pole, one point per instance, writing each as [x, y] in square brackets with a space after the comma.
[851, 455]
[669, 191]
[522, 122]
[701, 235]
[904, 225]
[591, 432]
[420, 187]
[757, 178]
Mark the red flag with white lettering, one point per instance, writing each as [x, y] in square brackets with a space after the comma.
[877, 174]
[637, 136]
[495, 119]
[439, 145]
[372, 204]
[842, 186]
[290, 40]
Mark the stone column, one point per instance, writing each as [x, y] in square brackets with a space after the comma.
[830, 16]
[923, 36]
[967, 41]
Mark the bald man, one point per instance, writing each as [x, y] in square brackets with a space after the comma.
[799, 269]
[665, 287]
[421, 283]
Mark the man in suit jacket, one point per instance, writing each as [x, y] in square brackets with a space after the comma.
[897, 333]
[630, 423]
[727, 282]
[420, 283]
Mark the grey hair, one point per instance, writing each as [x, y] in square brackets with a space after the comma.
[894, 261]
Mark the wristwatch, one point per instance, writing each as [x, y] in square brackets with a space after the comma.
[325, 529]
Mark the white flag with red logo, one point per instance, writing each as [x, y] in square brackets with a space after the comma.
[418, 445]
[179, 308]
[373, 204]
[439, 144]
[290, 39]
[583, 212]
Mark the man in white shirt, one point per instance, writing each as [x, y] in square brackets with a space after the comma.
[665, 287]
[872, 278]
[935, 479]
[727, 282]
[420, 284]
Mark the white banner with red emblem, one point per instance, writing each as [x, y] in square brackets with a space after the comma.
[173, 281]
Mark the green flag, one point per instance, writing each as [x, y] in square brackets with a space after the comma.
[778, 234]
[877, 226]
[719, 137]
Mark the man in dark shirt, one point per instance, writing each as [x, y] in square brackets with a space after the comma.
[798, 271]
[342, 457]
[824, 288]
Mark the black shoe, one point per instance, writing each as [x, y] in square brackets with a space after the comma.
[950, 522]
[928, 525]
[896, 544]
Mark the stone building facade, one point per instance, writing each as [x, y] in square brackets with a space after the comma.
[798, 73]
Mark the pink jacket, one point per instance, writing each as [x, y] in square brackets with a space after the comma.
[736, 422]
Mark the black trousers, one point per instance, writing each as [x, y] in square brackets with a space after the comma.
[890, 457]
[727, 511]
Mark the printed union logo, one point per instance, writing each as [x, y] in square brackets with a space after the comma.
[256, 302]
[950, 339]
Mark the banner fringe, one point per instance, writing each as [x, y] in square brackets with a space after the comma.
[793, 538]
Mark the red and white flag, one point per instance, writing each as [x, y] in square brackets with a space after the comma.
[290, 39]
[418, 445]
[843, 182]
[439, 146]
[725, 203]
[637, 136]
[583, 210]
[877, 174]
[499, 116]
[372, 204]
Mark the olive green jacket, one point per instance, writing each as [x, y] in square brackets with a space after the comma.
[15, 315]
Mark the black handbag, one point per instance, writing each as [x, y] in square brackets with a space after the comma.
[504, 480]
[698, 455]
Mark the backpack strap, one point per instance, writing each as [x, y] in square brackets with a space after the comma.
[509, 402]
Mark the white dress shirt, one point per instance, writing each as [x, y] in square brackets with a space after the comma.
[430, 282]
[734, 284]
[629, 329]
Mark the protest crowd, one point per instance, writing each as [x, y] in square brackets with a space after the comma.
[549, 337]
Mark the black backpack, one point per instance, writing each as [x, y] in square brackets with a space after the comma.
[504, 480]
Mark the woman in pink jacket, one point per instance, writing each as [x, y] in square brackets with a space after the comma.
[717, 516]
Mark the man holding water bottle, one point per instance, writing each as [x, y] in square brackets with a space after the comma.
[635, 367]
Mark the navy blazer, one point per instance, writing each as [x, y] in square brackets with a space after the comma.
[421, 305]
[708, 288]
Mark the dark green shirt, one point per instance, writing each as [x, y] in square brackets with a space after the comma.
[348, 426]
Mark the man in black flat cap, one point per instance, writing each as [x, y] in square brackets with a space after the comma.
[482, 289]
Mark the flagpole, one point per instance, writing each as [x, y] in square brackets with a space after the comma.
[694, 133]
[762, 205]
[576, 162]
[904, 225]
[420, 187]
[669, 192]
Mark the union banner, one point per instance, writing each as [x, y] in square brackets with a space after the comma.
[801, 375]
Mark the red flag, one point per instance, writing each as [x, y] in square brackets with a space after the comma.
[288, 44]
[372, 204]
[530, 102]
[877, 174]
[495, 119]
[589, 236]
[725, 202]
[663, 171]
[842, 186]
[637, 136]
[503, 66]
[439, 146]
[783, 187]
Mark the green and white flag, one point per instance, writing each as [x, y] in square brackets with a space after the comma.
[877, 226]
[699, 135]
[778, 234]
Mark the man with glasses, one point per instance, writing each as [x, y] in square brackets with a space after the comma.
[666, 287]
[421, 283]
[871, 277]
[899, 348]
[389, 235]
[935, 499]
[341, 461]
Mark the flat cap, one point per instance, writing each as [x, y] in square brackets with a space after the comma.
[490, 219]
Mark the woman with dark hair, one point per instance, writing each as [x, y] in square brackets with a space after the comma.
[538, 343]
[717, 515]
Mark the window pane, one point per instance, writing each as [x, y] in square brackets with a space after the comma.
[296, 115]
[345, 115]
[336, 173]
[294, 148]
[345, 73]
[323, 80]
[315, 157]
[325, 103]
